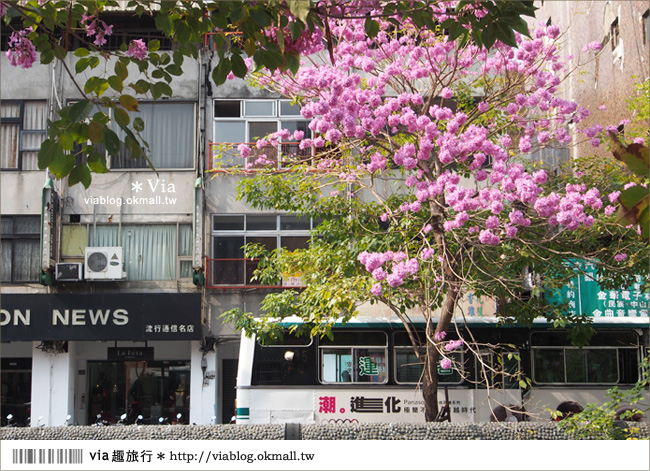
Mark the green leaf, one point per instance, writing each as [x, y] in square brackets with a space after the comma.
[80, 111]
[129, 102]
[293, 63]
[80, 173]
[260, 16]
[154, 45]
[295, 28]
[95, 132]
[372, 27]
[49, 152]
[159, 89]
[62, 165]
[81, 52]
[220, 72]
[112, 141]
[163, 23]
[122, 117]
[97, 162]
[633, 195]
[238, 66]
[121, 71]
[116, 83]
[299, 8]
[138, 124]
[81, 65]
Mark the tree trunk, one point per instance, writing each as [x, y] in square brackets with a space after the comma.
[433, 349]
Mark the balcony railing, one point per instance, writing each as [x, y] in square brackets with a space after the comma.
[238, 273]
[227, 156]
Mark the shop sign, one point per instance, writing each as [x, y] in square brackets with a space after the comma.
[584, 295]
[130, 316]
[130, 354]
[366, 405]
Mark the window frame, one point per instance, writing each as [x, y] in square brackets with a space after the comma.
[278, 233]
[20, 122]
[278, 117]
[176, 262]
[534, 349]
[115, 128]
[13, 236]
[352, 349]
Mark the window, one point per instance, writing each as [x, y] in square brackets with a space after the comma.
[23, 132]
[169, 131]
[408, 368]
[614, 34]
[21, 236]
[645, 26]
[606, 360]
[246, 121]
[151, 252]
[230, 233]
[354, 357]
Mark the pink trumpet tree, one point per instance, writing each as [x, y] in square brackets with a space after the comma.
[447, 124]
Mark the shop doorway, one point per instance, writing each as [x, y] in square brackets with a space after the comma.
[153, 389]
[16, 390]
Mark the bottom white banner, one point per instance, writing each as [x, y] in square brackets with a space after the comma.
[322, 455]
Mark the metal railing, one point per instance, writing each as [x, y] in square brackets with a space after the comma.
[226, 156]
[224, 273]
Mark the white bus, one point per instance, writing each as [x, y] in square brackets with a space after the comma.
[368, 372]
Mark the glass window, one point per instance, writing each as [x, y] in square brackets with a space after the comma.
[259, 129]
[548, 365]
[261, 222]
[354, 365]
[227, 109]
[230, 131]
[23, 132]
[576, 366]
[408, 368]
[294, 223]
[365, 362]
[150, 251]
[21, 248]
[288, 109]
[259, 108]
[169, 133]
[227, 223]
[232, 232]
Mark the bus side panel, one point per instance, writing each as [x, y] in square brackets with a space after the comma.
[540, 402]
[244, 374]
[281, 406]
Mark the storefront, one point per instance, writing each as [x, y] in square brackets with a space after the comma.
[99, 356]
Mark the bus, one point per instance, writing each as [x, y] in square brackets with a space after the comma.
[368, 372]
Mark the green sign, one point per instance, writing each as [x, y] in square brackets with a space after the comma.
[585, 296]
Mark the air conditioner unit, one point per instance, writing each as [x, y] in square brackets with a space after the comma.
[69, 272]
[104, 263]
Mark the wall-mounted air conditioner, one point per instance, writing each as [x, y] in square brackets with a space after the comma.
[69, 272]
[104, 263]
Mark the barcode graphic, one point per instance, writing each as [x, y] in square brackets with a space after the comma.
[48, 456]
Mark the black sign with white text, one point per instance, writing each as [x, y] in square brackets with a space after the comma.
[100, 317]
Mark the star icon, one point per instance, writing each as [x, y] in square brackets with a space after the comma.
[136, 186]
[161, 456]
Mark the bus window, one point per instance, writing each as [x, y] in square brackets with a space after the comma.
[354, 357]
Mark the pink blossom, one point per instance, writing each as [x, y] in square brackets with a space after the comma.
[439, 336]
[446, 93]
[594, 46]
[137, 49]
[21, 50]
[376, 289]
[609, 210]
[613, 196]
[445, 363]
[620, 257]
